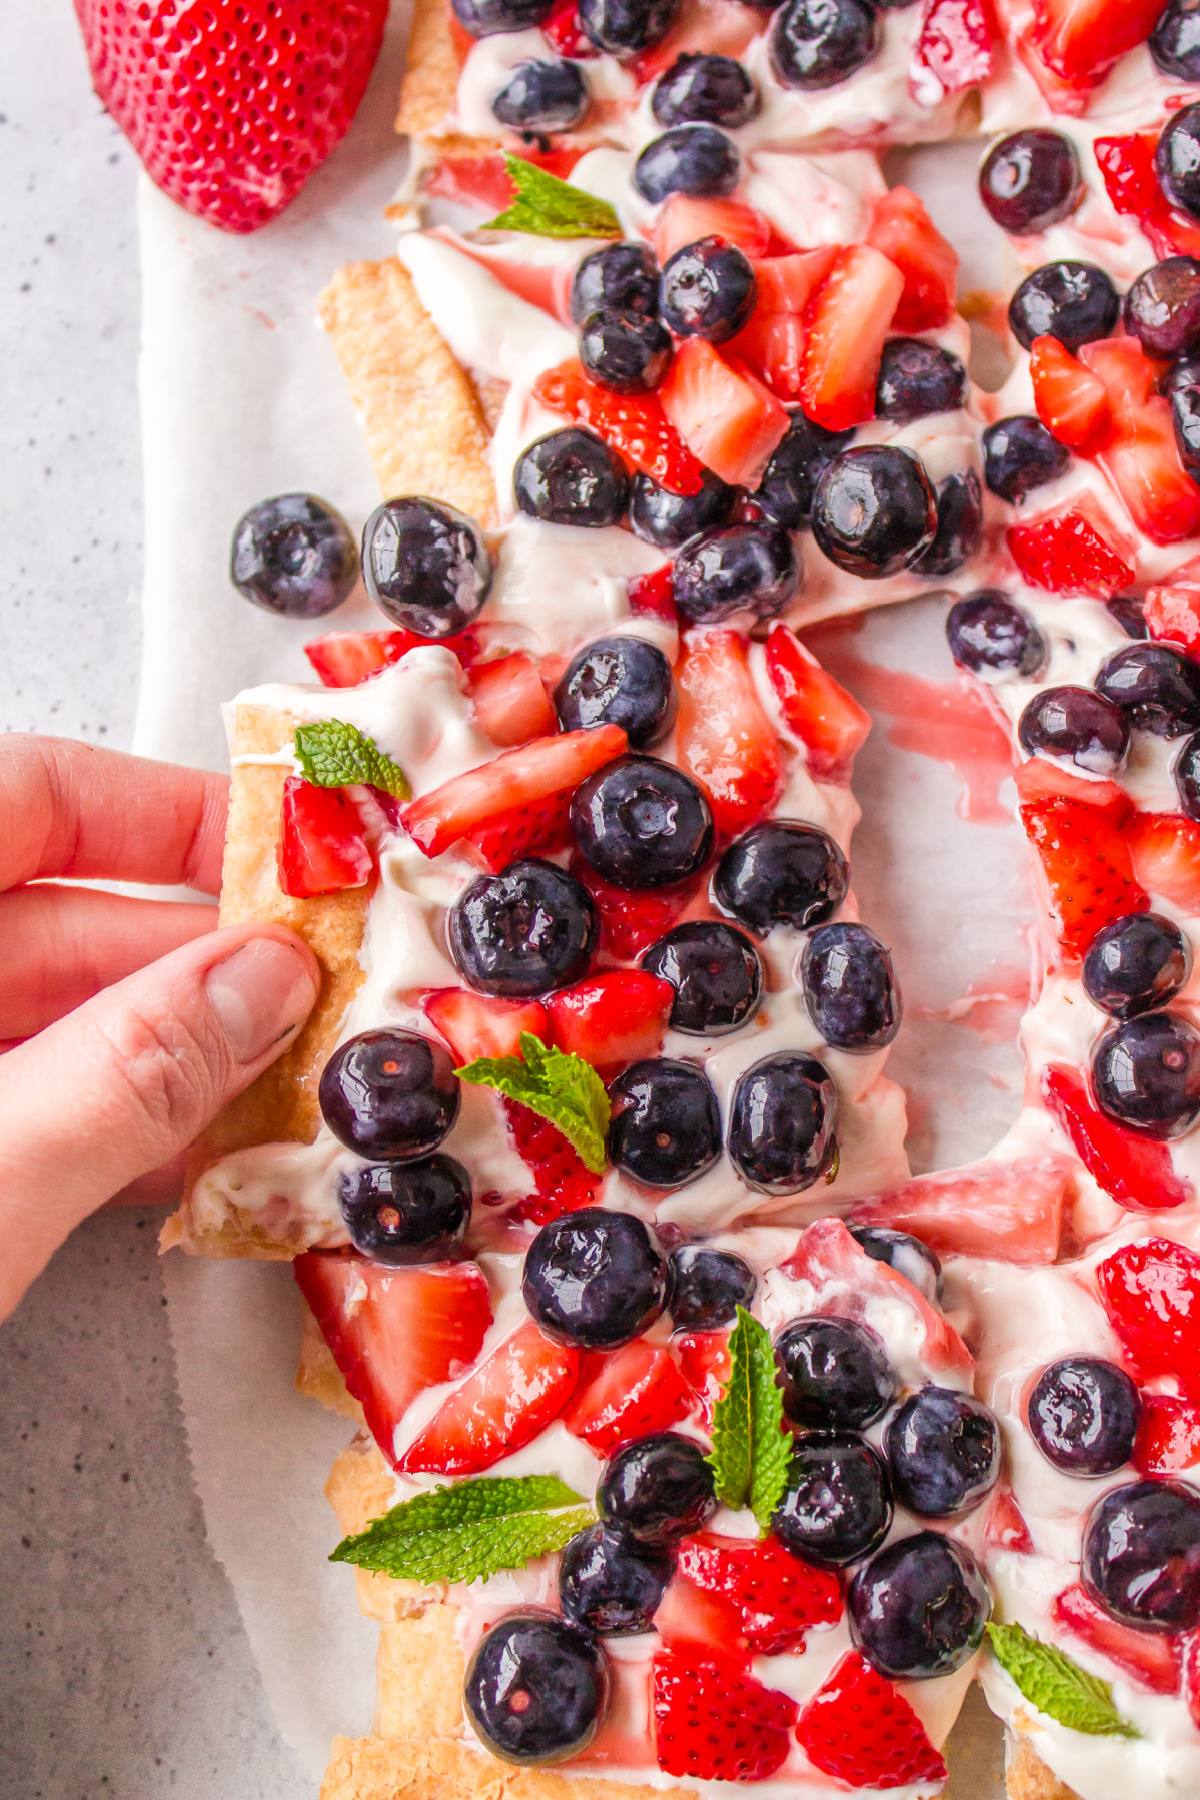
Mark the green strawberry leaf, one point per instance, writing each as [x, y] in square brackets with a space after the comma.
[557, 1085]
[472, 1529]
[1057, 1686]
[334, 754]
[544, 206]
[751, 1448]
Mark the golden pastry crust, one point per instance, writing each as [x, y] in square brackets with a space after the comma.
[1026, 1775]
[379, 1768]
[359, 1489]
[430, 72]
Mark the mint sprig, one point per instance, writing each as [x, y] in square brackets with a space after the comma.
[1057, 1686]
[544, 206]
[751, 1449]
[470, 1530]
[557, 1085]
[334, 754]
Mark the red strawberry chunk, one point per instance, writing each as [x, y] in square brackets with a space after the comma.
[702, 1622]
[483, 182]
[482, 1024]
[829, 722]
[611, 1019]
[771, 348]
[1005, 1527]
[954, 50]
[562, 1181]
[636, 1390]
[344, 658]
[1010, 1212]
[502, 1406]
[1040, 779]
[321, 847]
[724, 413]
[395, 1332]
[1081, 39]
[1087, 871]
[1166, 857]
[860, 1729]
[714, 1724]
[634, 425]
[786, 284]
[1139, 453]
[902, 229]
[631, 921]
[1151, 1293]
[1150, 1660]
[1135, 1171]
[1127, 165]
[850, 317]
[778, 1596]
[567, 34]
[509, 701]
[684, 220]
[653, 596]
[1168, 1439]
[1071, 402]
[1076, 550]
[1172, 609]
[537, 829]
[706, 1364]
[723, 737]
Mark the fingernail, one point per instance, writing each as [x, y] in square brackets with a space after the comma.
[260, 994]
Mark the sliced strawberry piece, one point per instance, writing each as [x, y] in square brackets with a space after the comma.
[631, 921]
[507, 1402]
[1127, 165]
[1086, 869]
[1075, 550]
[1005, 1528]
[706, 1364]
[786, 284]
[1172, 609]
[537, 829]
[850, 317]
[509, 701]
[567, 34]
[1151, 1293]
[1135, 1171]
[395, 1332]
[1149, 1659]
[724, 414]
[321, 848]
[481, 1024]
[562, 1181]
[1168, 1439]
[684, 220]
[771, 348]
[903, 231]
[636, 1390]
[483, 182]
[1139, 453]
[611, 1019]
[1080, 40]
[1040, 779]
[860, 1729]
[1071, 402]
[723, 737]
[714, 1724]
[343, 659]
[690, 1619]
[1190, 1657]
[778, 1597]
[1165, 849]
[634, 425]
[1012, 1212]
[829, 722]
[953, 52]
[653, 596]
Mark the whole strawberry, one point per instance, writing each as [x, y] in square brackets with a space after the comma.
[232, 104]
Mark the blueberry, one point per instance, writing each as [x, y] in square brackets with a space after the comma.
[709, 90]
[1075, 302]
[536, 1688]
[401, 1213]
[786, 489]
[668, 519]
[610, 1584]
[716, 974]
[697, 160]
[642, 823]
[782, 873]
[1185, 418]
[1162, 308]
[1130, 614]
[1187, 777]
[837, 1502]
[623, 681]
[959, 533]
[1183, 372]
[850, 988]
[943, 1449]
[817, 43]
[293, 555]
[907, 1255]
[658, 1489]
[1135, 964]
[781, 1122]
[542, 96]
[916, 379]
[1175, 41]
[874, 510]
[528, 931]
[389, 1095]
[571, 477]
[1031, 180]
[626, 27]
[1177, 160]
[1077, 725]
[993, 638]
[625, 352]
[1083, 1415]
[836, 1374]
[1141, 1555]
[620, 275]
[666, 1124]
[595, 1279]
[484, 18]
[1156, 686]
[918, 1609]
[710, 1285]
[1019, 455]
[750, 568]
[708, 289]
[425, 565]
[1146, 1074]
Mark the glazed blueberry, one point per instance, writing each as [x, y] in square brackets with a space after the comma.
[626, 27]
[817, 43]
[571, 477]
[907, 1255]
[782, 1117]
[943, 1449]
[708, 90]
[1083, 1415]
[1177, 160]
[1162, 308]
[1136, 964]
[1031, 180]
[1075, 302]
[642, 823]
[1156, 686]
[425, 565]
[624, 276]
[1187, 777]
[917, 379]
[528, 931]
[837, 1505]
[708, 289]
[610, 1584]
[850, 988]
[716, 974]
[1185, 370]
[401, 1213]
[1019, 455]
[697, 160]
[625, 352]
[1077, 725]
[666, 1124]
[542, 96]
[1185, 417]
[710, 1285]
[992, 638]
[874, 510]
[536, 1688]
[623, 681]
[781, 873]
[836, 1374]
[1141, 1555]
[1175, 41]
[484, 18]
[1146, 1074]
[658, 1489]
[786, 489]
[595, 1279]
[918, 1609]
[389, 1095]
[293, 555]
[1130, 614]
[736, 568]
[959, 533]
[668, 519]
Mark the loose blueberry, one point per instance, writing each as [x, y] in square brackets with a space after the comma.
[708, 289]
[542, 96]
[401, 1213]
[1177, 160]
[1162, 308]
[1075, 302]
[750, 568]
[1185, 370]
[837, 1502]
[850, 988]
[1156, 686]
[874, 510]
[595, 1279]
[1136, 964]
[390, 1095]
[536, 1688]
[1146, 1074]
[1083, 1415]
[485, 18]
[836, 1374]
[907, 1255]
[710, 1285]
[708, 90]
[626, 27]
[782, 873]
[817, 43]
[959, 533]
[994, 639]
[1187, 777]
[919, 1608]
[943, 1449]
[1076, 725]
[697, 160]
[666, 1124]
[716, 974]
[781, 1122]
[571, 477]
[659, 1489]
[786, 490]
[624, 276]
[528, 931]
[625, 352]
[1130, 614]
[1019, 455]
[1174, 43]
[610, 1584]
[293, 555]
[1141, 1555]
[642, 823]
[623, 681]
[916, 379]
[425, 565]
[668, 519]
[1185, 418]
[1031, 180]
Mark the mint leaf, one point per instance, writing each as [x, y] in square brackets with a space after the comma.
[751, 1450]
[334, 754]
[544, 206]
[1057, 1686]
[558, 1086]
[469, 1530]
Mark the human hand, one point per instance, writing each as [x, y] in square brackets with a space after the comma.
[126, 1024]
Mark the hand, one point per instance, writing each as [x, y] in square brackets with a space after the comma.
[126, 1024]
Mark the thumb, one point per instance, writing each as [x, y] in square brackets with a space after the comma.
[128, 1080]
